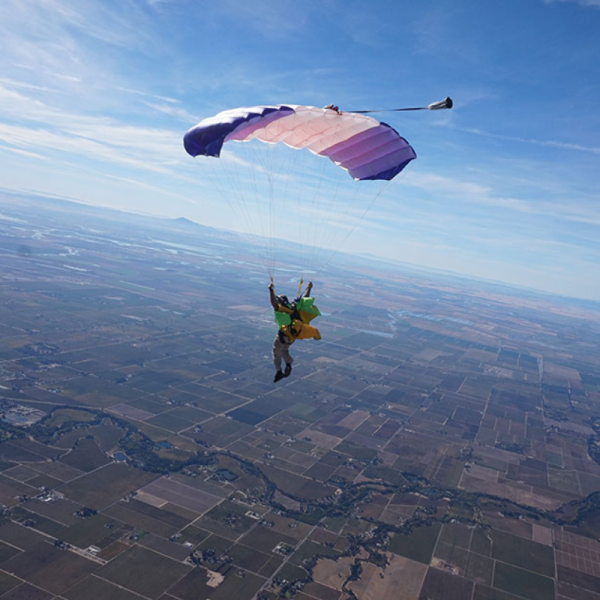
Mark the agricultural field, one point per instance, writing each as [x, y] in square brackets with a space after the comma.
[442, 440]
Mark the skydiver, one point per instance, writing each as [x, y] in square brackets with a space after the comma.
[334, 107]
[293, 319]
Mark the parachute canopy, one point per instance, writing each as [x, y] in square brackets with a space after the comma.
[363, 146]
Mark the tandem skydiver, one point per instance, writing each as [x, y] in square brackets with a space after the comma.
[293, 319]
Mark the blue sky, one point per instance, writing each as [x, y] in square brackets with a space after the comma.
[96, 95]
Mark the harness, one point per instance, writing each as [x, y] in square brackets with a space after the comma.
[293, 319]
[283, 338]
[289, 321]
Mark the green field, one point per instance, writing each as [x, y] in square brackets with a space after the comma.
[523, 583]
[418, 545]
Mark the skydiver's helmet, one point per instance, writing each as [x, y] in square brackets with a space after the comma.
[283, 300]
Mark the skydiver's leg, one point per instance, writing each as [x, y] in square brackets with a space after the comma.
[288, 358]
[278, 349]
[281, 351]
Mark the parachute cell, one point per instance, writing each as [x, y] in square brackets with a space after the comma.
[363, 146]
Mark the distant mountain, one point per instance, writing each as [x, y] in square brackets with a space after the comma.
[72, 208]
[182, 229]
[184, 221]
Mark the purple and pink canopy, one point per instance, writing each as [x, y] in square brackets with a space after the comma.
[363, 146]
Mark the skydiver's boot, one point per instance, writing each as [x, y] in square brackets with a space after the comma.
[288, 369]
[279, 376]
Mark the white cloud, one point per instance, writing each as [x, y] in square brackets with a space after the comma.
[546, 143]
[173, 110]
[22, 152]
[271, 19]
[154, 156]
[146, 94]
[592, 3]
[455, 195]
[88, 137]
[11, 83]
[61, 44]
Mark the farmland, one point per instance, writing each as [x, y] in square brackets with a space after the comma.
[440, 441]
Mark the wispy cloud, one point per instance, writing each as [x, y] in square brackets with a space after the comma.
[455, 195]
[23, 85]
[43, 140]
[545, 143]
[153, 97]
[592, 3]
[272, 19]
[174, 110]
[466, 191]
[24, 153]
[58, 43]
[47, 129]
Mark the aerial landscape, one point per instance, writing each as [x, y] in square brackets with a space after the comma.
[299, 301]
[440, 441]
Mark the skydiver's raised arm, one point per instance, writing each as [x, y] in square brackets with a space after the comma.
[273, 297]
[308, 289]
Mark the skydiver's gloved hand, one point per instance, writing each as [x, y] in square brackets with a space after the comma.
[272, 297]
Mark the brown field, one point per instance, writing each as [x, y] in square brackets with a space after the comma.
[249, 558]
[106, 485]
[58, 470]
[52, 569]
[20, 537]
[320, 439]
[85, 456]
[7, 582]
[333, 573]
[297, 485]
[193, 499]
[126, 410]
[441, 585]
[354, 419]
[144, 572]
[265, 539]
[26, 591]
[401, 579]
[164, 546]
[121, 512]
[98, 589]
